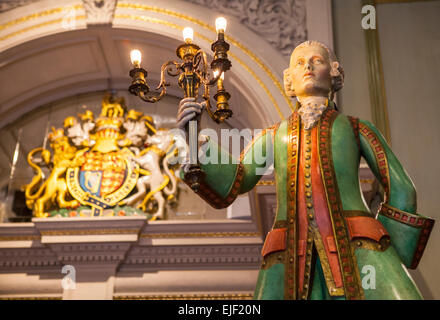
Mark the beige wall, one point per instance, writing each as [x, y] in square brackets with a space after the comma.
[410, 45]
[410, 50]
[350, 48]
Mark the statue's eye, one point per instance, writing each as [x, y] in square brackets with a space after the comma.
[317, 61]
[300, 62]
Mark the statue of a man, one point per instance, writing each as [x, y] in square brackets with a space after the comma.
[325, 243]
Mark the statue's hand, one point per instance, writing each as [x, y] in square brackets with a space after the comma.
[188, 110]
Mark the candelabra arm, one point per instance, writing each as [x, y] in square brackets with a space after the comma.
[200, 62]
[150, 97]
[168, 67]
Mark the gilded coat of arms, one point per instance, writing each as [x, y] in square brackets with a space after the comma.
[116, 164]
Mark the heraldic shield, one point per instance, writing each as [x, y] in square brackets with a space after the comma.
[114, 164]
[103, 180]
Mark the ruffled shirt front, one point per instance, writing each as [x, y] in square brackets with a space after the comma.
[311, 110]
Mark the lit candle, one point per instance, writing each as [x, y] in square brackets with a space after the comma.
[136, 57]
[220, 80]
[188, 34]
[222, 76]
[220, 24]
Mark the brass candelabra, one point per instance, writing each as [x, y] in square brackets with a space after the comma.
[193, 72]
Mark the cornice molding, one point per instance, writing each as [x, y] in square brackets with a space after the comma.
[27, 258]
[128, 242]
[200, 255]
[200, 235]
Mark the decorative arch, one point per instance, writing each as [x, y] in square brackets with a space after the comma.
[46, 28]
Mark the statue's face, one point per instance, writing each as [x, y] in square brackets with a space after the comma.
[310, 71]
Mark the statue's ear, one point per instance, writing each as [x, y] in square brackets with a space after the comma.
[288, 87]
[335, 69]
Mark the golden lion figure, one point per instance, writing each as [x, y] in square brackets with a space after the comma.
[55, 187]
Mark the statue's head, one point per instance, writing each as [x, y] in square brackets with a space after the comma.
[313, 71]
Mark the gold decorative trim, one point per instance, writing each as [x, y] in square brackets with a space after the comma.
[31, 298]
[131, 231]
[266, 183]
[88, 232]
[211, 28]
[291, 263]
[209, 296]
[40, 25]
[200, 235]
[37, 15]
[347, 258]
[400, 1]
[19, 238]
[380, 155]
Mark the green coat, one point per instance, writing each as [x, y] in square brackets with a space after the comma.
[342, 140]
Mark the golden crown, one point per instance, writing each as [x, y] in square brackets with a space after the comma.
[112, 113]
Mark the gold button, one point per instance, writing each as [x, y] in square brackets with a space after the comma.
[307, 175]
[280, 257]
[308, 141]
[291, 221]
[291, 260]
[309, 252]
[307, 157]
[308, 150]
[309, 240]
[308, 184]
[311, 216]
[308, 194]
[306, 286]
[359, 243]
[309, 205]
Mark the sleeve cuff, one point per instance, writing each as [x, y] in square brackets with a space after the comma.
[423, 224]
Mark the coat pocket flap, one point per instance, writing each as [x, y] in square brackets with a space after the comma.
[366, 227]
